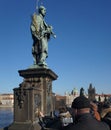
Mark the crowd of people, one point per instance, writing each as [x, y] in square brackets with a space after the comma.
[83, 115]
[86, 116]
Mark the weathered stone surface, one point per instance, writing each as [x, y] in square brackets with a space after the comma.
[35, 92]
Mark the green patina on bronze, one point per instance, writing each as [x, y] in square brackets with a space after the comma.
[41, 33]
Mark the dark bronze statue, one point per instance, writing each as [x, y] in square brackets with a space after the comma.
[41, 33]
[82, 92]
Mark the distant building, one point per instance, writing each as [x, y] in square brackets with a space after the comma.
[92, 96]
[102, 97]
[91, 93]
[60, 101]
[71, 96]
[6, 99]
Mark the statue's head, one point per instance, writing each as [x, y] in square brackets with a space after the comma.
[42, 10]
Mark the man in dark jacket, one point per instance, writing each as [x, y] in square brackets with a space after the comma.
[83, 118]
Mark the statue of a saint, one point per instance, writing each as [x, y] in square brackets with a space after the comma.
[82, 92]
[41, 33]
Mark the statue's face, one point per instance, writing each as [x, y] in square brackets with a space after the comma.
[43, 12]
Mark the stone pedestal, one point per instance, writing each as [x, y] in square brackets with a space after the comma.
[33, 94]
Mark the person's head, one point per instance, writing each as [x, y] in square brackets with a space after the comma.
[81, 105]
[42, 10]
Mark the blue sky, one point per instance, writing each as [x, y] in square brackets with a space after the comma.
[81, 53]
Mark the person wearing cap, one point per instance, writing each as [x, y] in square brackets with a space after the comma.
[84, 120]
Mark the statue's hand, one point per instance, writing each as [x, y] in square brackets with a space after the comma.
[50, 28]
[54, 35]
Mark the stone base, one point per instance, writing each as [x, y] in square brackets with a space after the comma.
[33, 94]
